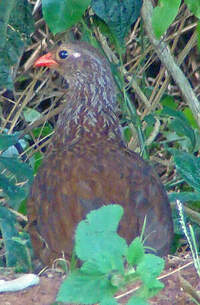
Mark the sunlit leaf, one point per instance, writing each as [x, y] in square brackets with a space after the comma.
[118, 15]
[61, 15]
[163, 15]
[16, 25]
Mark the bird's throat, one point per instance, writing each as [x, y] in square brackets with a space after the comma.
[90, 113]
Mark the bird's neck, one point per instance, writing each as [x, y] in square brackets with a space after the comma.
[90, 113]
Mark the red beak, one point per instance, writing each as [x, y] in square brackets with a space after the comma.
[45, 61]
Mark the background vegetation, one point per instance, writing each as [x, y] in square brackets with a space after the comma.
[155, 59]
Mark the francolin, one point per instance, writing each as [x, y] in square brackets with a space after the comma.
[87, 164]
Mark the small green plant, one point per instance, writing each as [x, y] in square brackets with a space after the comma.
[17, 24]
[166, 11]
[109, 264]
[15, 181]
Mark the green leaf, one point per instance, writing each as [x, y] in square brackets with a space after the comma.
[61, 15]
[150, 119]
[137, 301]
[189, 116]
[43, 131]
[96, 239]
[118, 15]
[149, 268]
[96, 236]
[170, 111]
[154, 286]
[31, 115]
[8, 229]
[109, 301]
[36, 161]
[169, 102]
[15, 180]
[85, 289]
[16, 25]
[127, 133]
[135, 252]
[20, 170]
[163, 15]
[181, 128]
[104, 29]
[12, 193]
[22, 251]
[180, 124]
[7, 140]
[198, 35]
[188, 167]
[17, 253]
[184, 196]
[194, 7]
[104, 219]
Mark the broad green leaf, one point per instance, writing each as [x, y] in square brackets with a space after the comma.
[150, 119]
[31, 115]
[104, 263]
[104, 29]
[154, 286]
[149, 268]
[8, 230]
[182, 128]
[118, 15]
[20, 170]
[15, 180]
[184, 196]
[36, 161]
[43, 131]
[188, 167]
[189, 116]
[194, 7]
[96, 239]
[16, 26]
[163, 15]
[90, 267]
[105, 219]
[85, 289]
[135, 252]
[170, 111]
[14, 150]
[109, 301]
[127, 133]
[22, 251]
[180, 124]
[61, 15]
[104, 268]
[7, 140]
[16, 245]
[169, 102]
[12, 193]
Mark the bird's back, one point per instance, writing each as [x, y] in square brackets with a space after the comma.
[79, 178]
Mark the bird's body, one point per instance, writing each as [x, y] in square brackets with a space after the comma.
[87, 164]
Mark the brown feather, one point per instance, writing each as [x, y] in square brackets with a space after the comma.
[87, 166]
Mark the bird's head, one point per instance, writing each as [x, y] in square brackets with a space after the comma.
[76, 62]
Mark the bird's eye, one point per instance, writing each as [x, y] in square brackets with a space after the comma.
[63, 54]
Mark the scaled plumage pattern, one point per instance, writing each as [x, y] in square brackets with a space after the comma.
[87, 164]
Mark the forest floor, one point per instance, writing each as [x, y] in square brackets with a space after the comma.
[179, 277]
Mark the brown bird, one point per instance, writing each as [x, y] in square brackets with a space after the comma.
[87, 165]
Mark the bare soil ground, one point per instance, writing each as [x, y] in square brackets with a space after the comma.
[179, 277]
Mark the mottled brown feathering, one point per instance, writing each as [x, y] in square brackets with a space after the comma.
[87, 164]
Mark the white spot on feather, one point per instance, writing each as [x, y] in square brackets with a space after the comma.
[76, 54]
